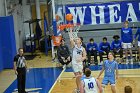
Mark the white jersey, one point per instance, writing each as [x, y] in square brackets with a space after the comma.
[77, 53]
[90, 85]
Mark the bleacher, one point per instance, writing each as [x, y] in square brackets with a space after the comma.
[89, 31]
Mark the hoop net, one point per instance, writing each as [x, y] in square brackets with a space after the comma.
[73, 33]
[72, 29]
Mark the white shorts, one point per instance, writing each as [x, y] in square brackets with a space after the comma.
[77, 67]
[126, 45]
[139, 43]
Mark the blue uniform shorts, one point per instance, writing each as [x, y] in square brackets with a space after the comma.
[107, 80]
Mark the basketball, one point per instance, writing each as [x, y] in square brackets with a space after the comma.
[69, 17]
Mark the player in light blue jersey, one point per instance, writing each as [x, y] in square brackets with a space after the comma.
[110, 67]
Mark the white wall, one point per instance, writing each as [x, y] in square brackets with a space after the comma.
[21, 14]
[2, 8]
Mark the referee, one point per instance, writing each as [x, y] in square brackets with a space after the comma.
[20, 70]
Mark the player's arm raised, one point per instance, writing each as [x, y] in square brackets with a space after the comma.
[71, 39]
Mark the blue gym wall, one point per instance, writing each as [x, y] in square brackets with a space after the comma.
[7, 42]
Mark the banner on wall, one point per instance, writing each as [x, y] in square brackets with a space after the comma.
[106, 13]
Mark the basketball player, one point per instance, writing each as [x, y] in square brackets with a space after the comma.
[79, 55]
[109, 66]
[90, 84]
[82, 76]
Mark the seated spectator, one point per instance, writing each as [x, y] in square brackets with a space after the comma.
[104, 49]
[127, 89]
[116, 46]
[92, 50]
[63, 53]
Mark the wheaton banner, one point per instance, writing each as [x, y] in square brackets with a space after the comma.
[106, 13]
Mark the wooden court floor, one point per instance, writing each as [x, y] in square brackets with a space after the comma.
[126, 77]
[67, 84]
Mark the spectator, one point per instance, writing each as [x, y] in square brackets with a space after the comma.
[135, 36]
[63, 53]
[104, 49]
[116, 46]
[92, 50]
[127, 38]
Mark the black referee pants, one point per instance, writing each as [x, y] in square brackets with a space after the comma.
[21, 79]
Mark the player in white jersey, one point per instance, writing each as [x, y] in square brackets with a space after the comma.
[79, 55]
[90, 84]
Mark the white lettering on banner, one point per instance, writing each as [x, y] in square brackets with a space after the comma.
[114, 13]
[131, 13]
[98, 14]
[78, 13]
[94, 15]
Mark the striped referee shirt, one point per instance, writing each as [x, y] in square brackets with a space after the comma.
[20, 61]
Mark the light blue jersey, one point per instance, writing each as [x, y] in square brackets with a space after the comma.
[109, 75]
[83, 77]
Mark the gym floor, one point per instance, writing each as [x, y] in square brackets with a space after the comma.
[43, 73]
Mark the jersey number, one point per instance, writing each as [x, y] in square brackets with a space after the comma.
[90, 85]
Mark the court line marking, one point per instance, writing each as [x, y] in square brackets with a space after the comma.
[58, 79]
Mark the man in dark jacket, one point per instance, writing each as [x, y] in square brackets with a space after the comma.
[63, 53]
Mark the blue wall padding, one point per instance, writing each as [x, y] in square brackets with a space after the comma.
[8, 43]
[1, 61]
[54, 28]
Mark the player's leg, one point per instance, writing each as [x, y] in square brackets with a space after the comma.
[77, 76]
[104, 83]
[113, 88]
[112, 81]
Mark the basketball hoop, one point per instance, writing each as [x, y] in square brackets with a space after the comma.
[72, 29]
